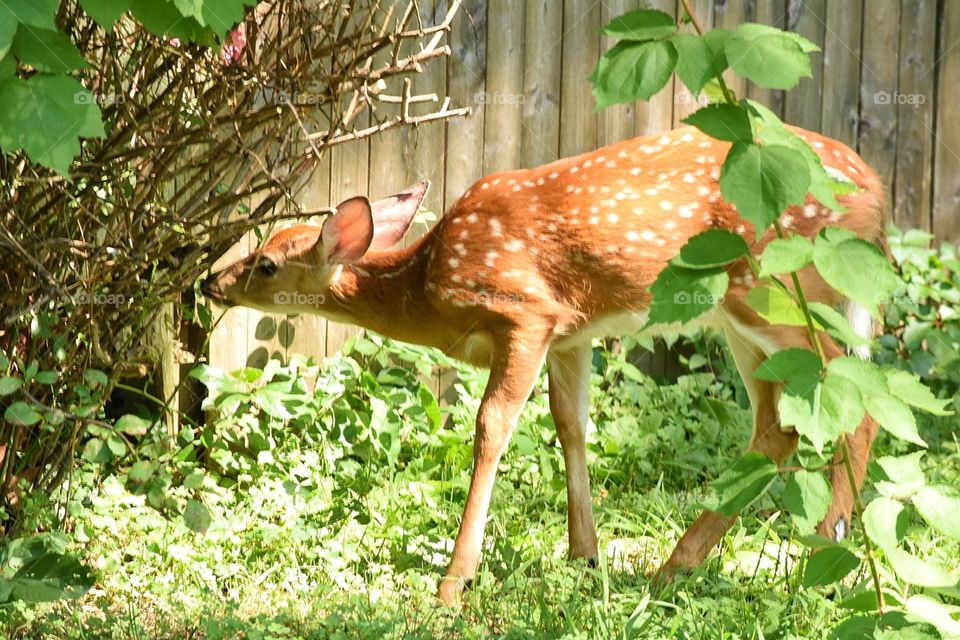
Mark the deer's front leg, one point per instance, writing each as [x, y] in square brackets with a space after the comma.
[516, 363]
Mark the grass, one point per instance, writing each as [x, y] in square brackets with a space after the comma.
[313, 542]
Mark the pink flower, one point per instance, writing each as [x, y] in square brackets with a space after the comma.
[233, 47]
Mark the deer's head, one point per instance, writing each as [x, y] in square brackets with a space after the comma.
[292, 271]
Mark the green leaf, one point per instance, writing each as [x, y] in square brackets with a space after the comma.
[133, 425]
[836, 324]
[219, 15]
[892, 414]
[742, 483]
[775, 305]
[7, 31]
[908, 388]
[696, 62]
[857, 269]
[680, 294]
[807, 496]
[711, 248]
[51, 576]
[644, 24]
[832, 408]
[96, 451]
[36, 13]
[632, 70]
[753, 29]
[46, 50]
[902, 475]
[9, 384]
[95, 377]
[933, 612]
[163, 18]
[885, 522]
[798, 369]
[141, 471]
[940, 507]
[47, 377]
[196, 517]
[786, 255]
[723, 121]
[8, 67]
[45, 116]
[763, 181]
[430, 406]
[855, 628]
[829, 565]
[105, 12]
[21, 413]
[925, 573]
[773, 61]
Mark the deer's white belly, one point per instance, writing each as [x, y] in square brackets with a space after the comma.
[627, 323]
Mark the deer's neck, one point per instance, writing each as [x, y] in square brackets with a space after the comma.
[384, 292]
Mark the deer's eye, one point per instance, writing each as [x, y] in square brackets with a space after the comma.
[267, 267]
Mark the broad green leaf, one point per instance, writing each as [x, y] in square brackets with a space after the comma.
[22, 413]
[196, 517]
[775, 305]
[9, 384]
[836, 324]
[753, 29]
[7, 31]
[724, 121]
[925, 573]
[933, 612]
[45, 116]
[902, 475]
[798, 369]
[885, 522]
[8, 67]
[763, 181]
[96, 451]
[219, 15]
[712, 248]
[829, 565]
[832, 408]
[773, 61]
[786, 255]
[105, 12]
[95, 377]
[163, 18]
[855, 628]
[857, 269]
[891, 413]
[911, 390]
[680, 294]
[644, 24]
[49, 577]
[742, 483]
[940, 507]
[864, 601]
[807, 496]
[141, 471]
[46, 50]
[133, 425]
[430, 406]
[632, 70]
[696, 64]
[894, 416]
[36, 13]
[47, 377]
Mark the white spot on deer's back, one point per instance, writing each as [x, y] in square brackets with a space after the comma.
[496, 229]
[491, 258]
[453, 262]
[513, 245]
[472, 218]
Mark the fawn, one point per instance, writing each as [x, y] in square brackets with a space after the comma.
[529, 266]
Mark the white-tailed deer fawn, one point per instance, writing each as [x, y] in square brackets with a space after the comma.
[529, 266]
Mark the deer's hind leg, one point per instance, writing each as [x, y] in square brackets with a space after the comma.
[569, 374]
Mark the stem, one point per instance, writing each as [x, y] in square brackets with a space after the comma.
[727, 94]
[858, 507]
[818, 348]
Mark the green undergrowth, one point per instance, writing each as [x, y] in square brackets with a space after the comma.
[332, 513]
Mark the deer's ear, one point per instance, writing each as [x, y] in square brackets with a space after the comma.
[392, 215]
[346, 235]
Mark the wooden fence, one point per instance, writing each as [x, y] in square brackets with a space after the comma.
[887, 82]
